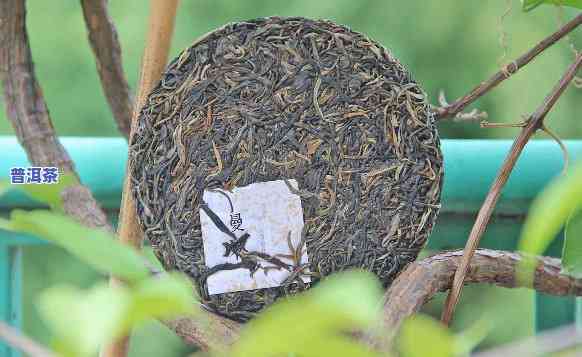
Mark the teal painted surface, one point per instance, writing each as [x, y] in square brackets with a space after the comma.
[10, 288]
[470, 167]
[99, 161]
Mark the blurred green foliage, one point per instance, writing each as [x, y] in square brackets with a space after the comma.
[82, 320]
[448, 45]
[560, 201]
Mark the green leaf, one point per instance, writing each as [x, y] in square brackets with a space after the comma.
[82, 321]
[470, 338]
[423, 336]
[49, 194]
[97, 248]
[150, 256]
[312, 323]
[528, 5]
[166, 297]
[572, 253]
[550, 210]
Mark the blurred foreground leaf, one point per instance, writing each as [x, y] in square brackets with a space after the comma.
[49, 194]
[166, 297]
[316, 323]
[572, 253]
[82, 321]
[471, 337]
[97, 248]
[550, 210]
[422, 336]
[528, 5]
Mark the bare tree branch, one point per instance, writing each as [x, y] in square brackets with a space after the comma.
[15, 339]
[533, 123]
[107, 51]
[421, 280]
[160, 30]
[451, 110]
[29, 115]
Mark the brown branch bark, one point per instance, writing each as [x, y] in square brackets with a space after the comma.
[160, 30]
[15, 339]
[421, 280]
[458, 105]
[210, 333]
[534, 122]
[29, 115]
[107, 51]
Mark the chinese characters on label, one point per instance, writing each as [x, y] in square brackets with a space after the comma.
[34, 175]
[252, 237]
[236, 222]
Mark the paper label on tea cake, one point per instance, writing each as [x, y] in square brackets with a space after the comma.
[250, 236]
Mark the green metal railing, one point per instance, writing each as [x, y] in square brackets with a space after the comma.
[470, 167]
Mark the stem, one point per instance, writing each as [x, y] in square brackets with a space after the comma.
[107, 52]
[458, 105]
[160, 29]
[534, 123]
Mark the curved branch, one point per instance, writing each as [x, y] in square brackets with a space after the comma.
[107, 51]
[458, 105]
[29, 115]
[421, 280]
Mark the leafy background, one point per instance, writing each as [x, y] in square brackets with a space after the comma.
[449, 45]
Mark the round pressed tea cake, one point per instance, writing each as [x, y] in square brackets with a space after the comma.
[277, 151]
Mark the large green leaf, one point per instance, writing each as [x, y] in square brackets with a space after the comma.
[82, 321]
[572, 253]
[550, 210]
[548, 213]
[528, 5]
[468, 339]
[99, 249]
[423, 336]
[168, 296]
[314, 323]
